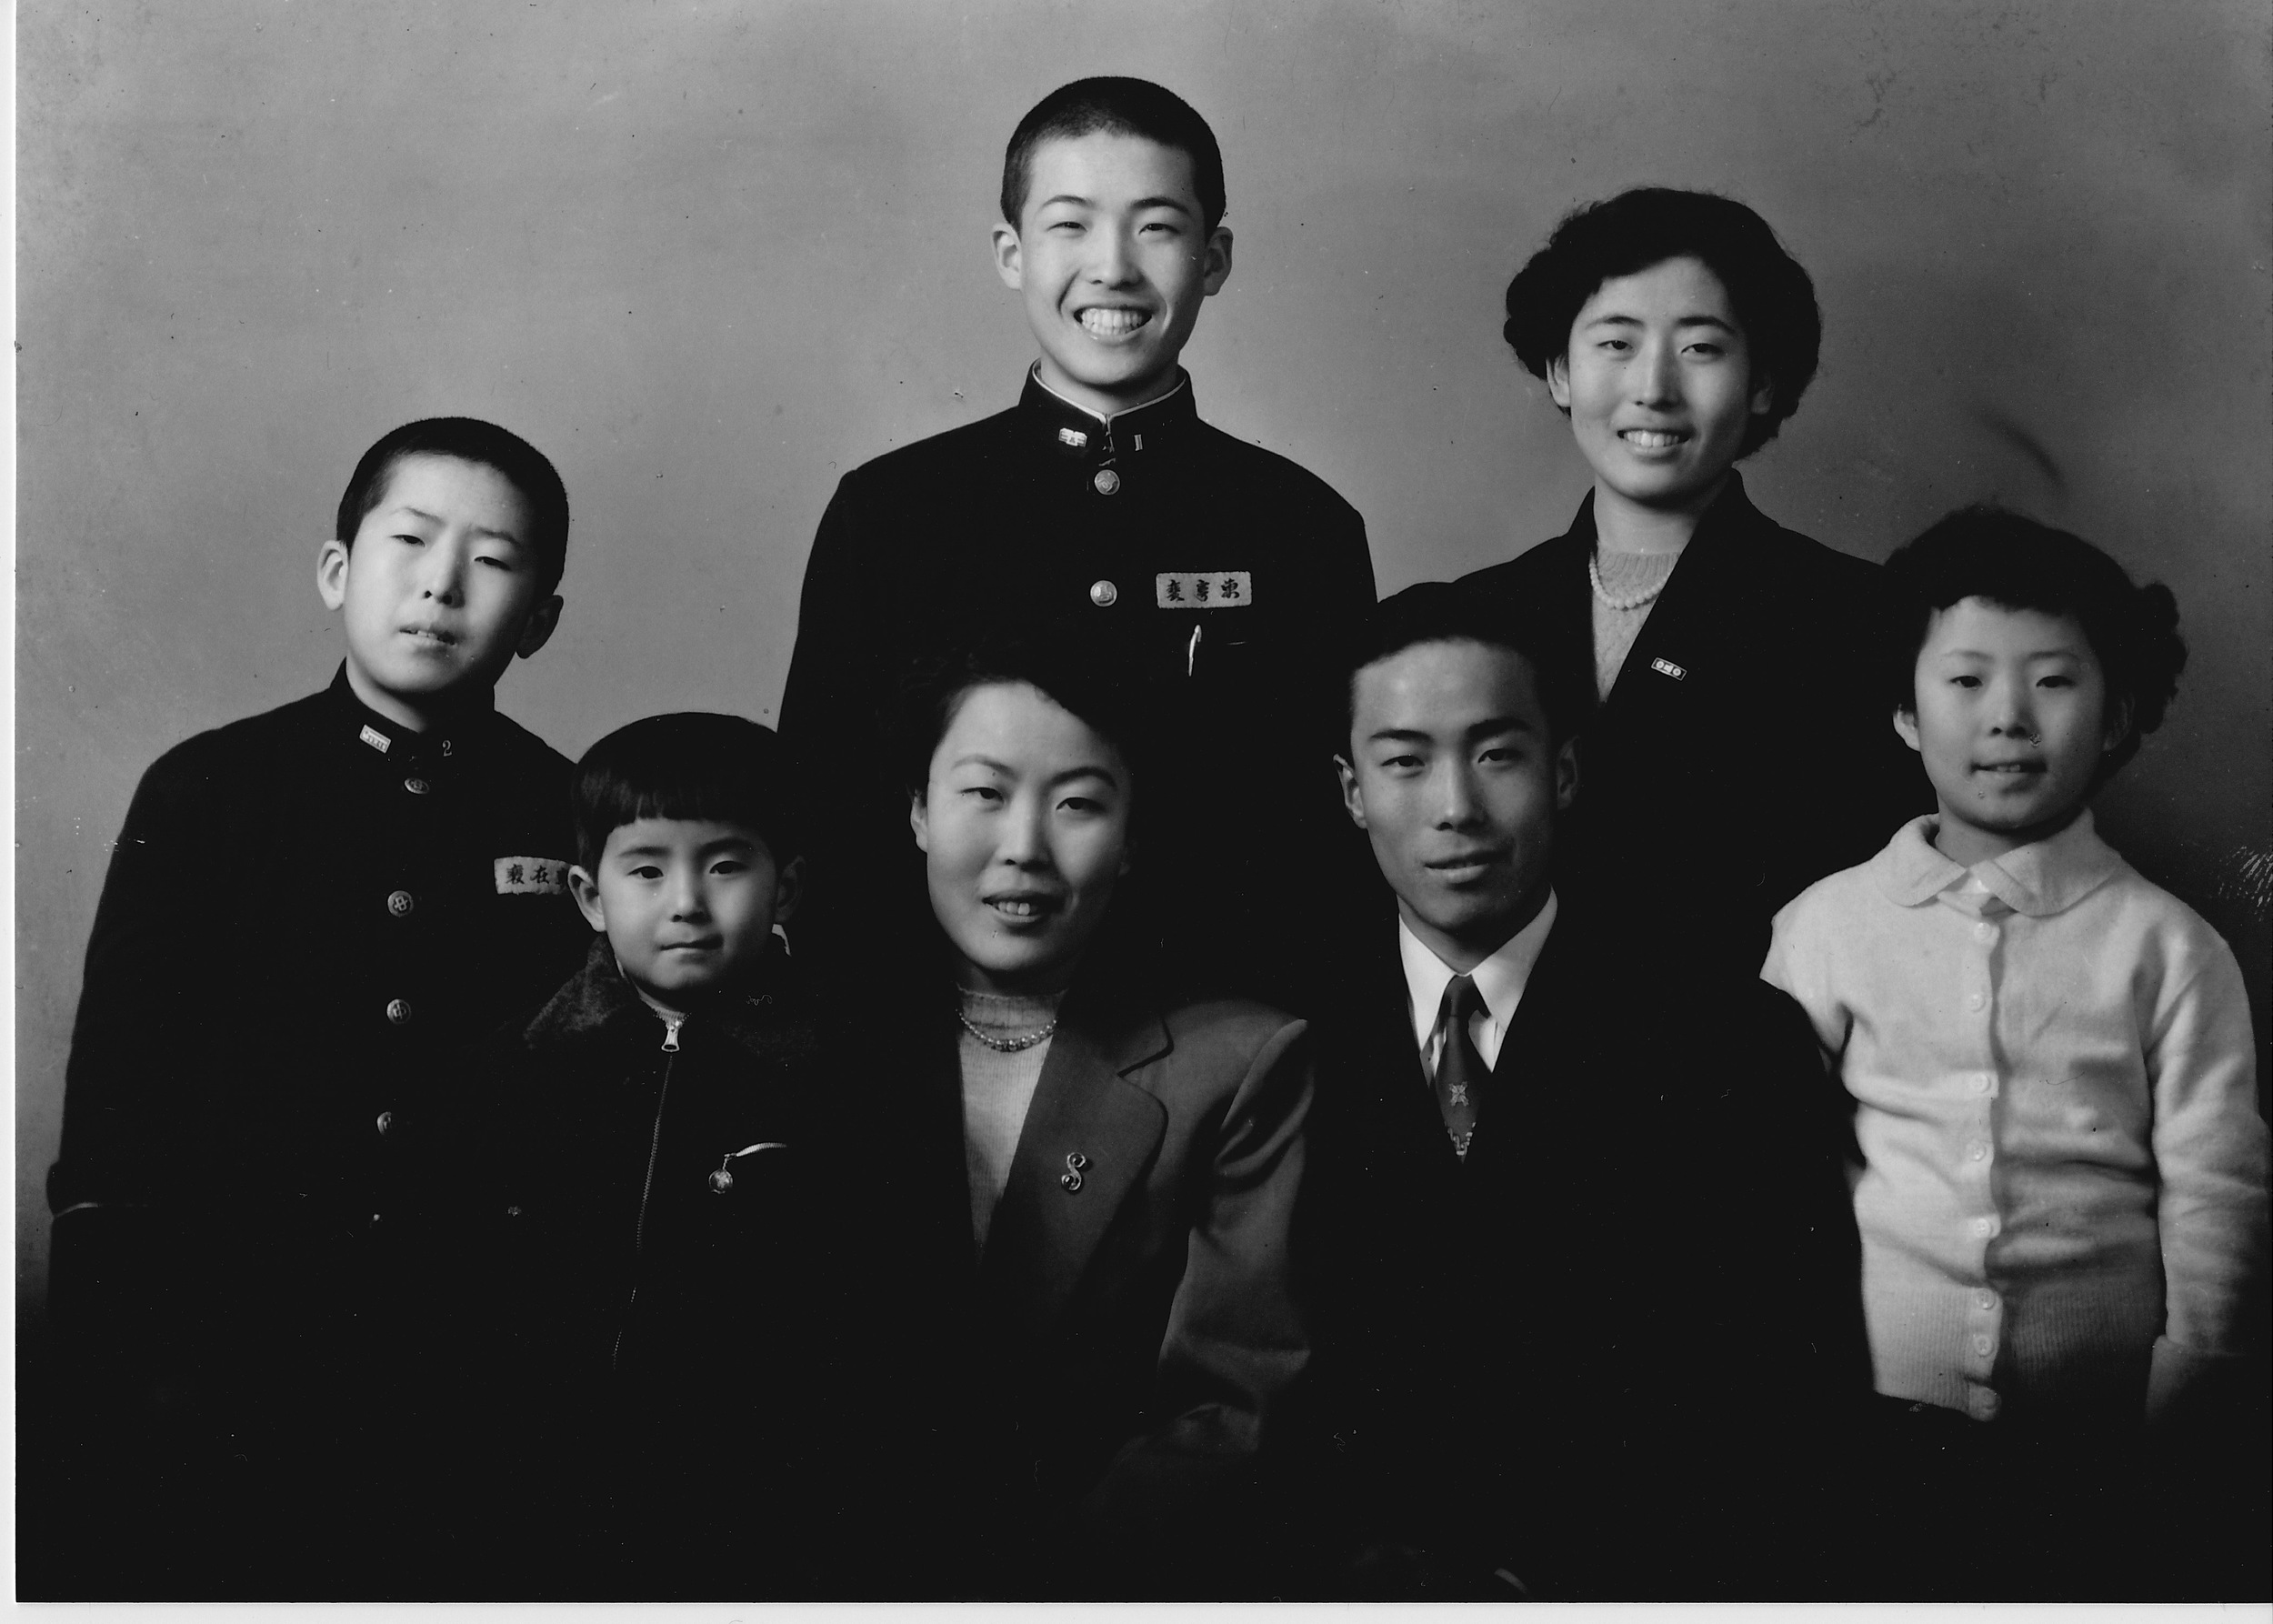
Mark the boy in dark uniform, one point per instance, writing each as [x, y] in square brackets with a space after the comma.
[304, 913]
[1221, 576]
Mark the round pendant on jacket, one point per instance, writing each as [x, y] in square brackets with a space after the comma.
[721, 1182]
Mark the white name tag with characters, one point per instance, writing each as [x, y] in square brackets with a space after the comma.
[1668, 668]
[532, 877]
[1204, 589]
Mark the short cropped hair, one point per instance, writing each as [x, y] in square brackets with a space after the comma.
[1774, 299]
[692, 764]
[1070, 672]
[1441, 612]
[469, 439]
[1119, 107]
[2015, 562]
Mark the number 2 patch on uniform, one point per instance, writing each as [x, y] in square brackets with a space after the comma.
[1204, 589]
[531, 877]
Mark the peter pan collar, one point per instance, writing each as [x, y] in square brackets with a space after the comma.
[2044, 878]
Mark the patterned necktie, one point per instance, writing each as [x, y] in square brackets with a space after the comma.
[1460, 1069]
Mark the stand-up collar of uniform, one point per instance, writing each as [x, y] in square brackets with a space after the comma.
[386, 737]
[1082, 435]
[2044, 876]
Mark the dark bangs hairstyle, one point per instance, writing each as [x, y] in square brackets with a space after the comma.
[469, 439]
[2018, 562]
[1070, 673]
[695, 765]
[1774, 299]
[1119, 107]
[1441, 612]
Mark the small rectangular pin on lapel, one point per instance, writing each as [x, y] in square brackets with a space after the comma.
[1669, 668]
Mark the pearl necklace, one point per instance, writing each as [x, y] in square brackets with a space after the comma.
[1008, 1046]
[1621, 605]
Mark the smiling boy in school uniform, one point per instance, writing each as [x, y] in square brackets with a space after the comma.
[1221, 576]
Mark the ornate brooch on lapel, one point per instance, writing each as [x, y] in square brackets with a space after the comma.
[1071, 1177]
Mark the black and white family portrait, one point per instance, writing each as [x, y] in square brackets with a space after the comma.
[1232, 800]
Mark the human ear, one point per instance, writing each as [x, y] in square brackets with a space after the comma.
[1763, 395]
[1566, 775]
[331, 572]
[1352, 793]
[587, 891]
[1008, 262]
[1906, 724]
[788, 888]
[543, 620]
[1218, 259]
[919, 820]
[2119, 725]
[1558, 380]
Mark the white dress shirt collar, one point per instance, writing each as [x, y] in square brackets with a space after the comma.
[1501, 978]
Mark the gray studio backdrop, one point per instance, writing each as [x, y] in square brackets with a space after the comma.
[710, 256]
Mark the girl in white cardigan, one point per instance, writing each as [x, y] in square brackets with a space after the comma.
[2062, 1195]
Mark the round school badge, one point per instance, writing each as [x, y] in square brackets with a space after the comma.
[1104, 594]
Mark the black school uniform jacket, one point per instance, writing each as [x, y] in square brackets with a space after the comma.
[1748, 747]
[1598, 1351]
[1220, 577]
[306, 913]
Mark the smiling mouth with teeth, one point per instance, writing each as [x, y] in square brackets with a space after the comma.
[1112, 324]
[1650, 439]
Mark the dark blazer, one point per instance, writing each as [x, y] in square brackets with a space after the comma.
[1595, 1353]
[1107, 1372]
[1747, 748]
[1217, 578]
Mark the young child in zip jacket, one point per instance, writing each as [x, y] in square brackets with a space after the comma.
[625, 1209]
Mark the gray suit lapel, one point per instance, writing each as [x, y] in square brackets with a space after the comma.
[1055, 1212]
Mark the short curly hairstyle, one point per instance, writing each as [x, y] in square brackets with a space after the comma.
[2014, 561]
[1775, 301]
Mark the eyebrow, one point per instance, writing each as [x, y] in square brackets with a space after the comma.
[1088, 770]
[435, 518]
[1489, 727]
[707, 848]
[1176, 203]
[1700, 320]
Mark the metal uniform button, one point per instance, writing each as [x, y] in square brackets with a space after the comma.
[416, 785]
[387, 1120]
[398, 1011]
[399, 902]
[1107, 482]
[1104, 594]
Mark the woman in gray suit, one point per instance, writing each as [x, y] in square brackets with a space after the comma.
[1091, 1179]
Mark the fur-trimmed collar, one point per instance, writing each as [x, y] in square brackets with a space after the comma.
[597, 1000]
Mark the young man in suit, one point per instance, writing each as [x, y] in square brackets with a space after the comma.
[1583, 1270]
